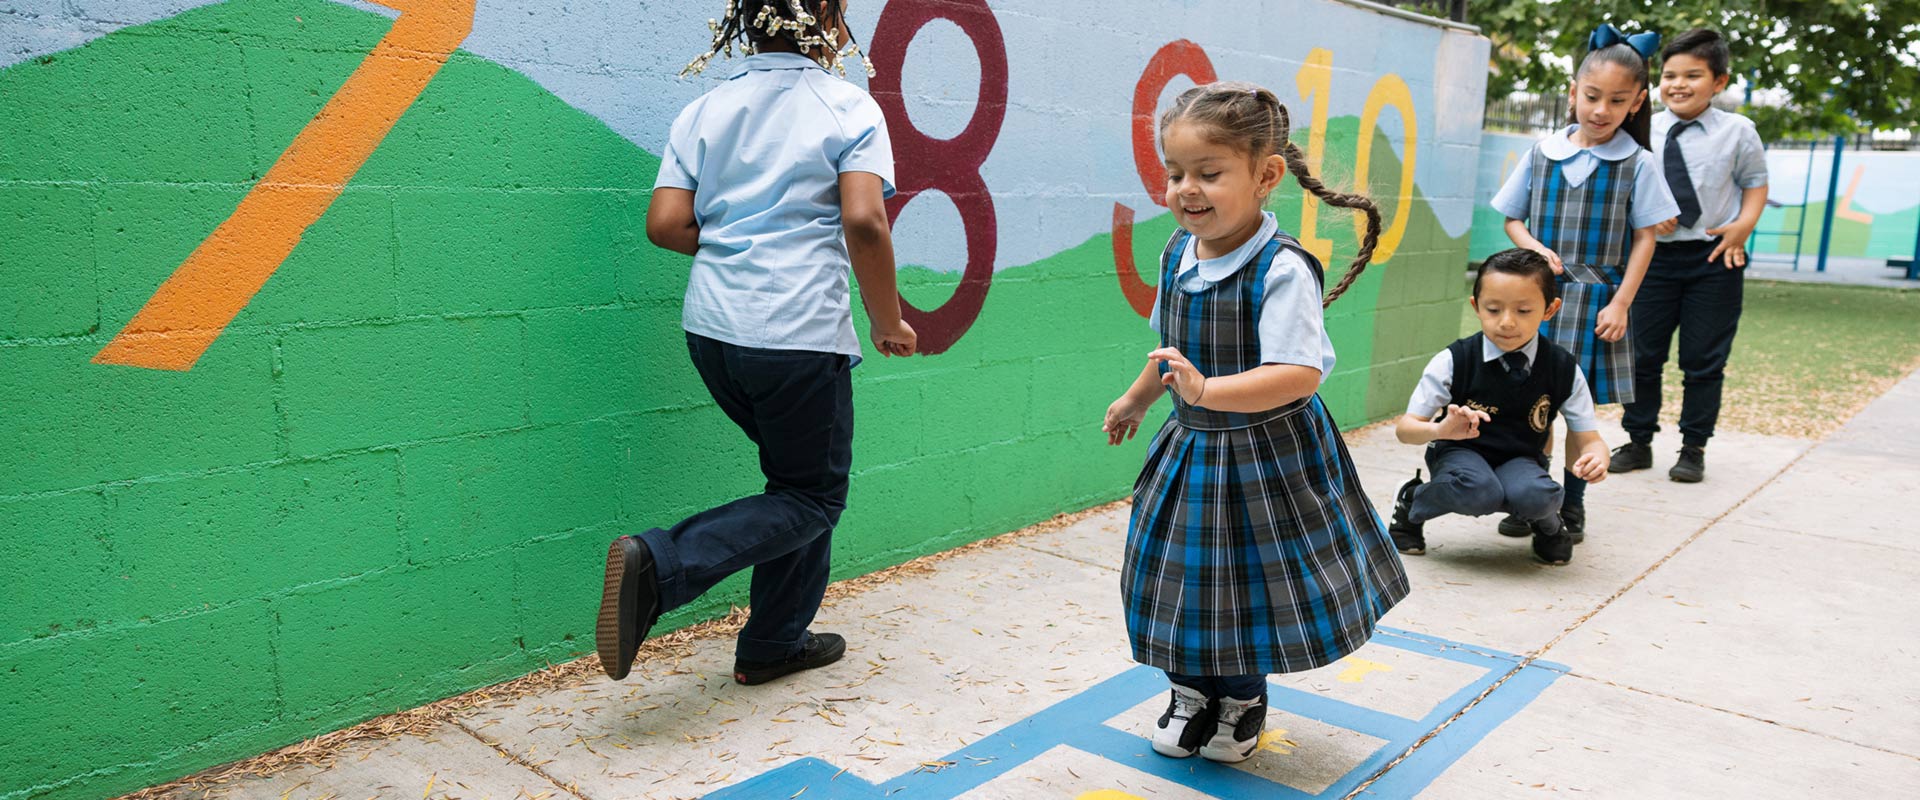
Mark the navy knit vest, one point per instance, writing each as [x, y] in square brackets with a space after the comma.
[1522, 412]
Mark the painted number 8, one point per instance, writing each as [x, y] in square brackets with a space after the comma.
[951, 166]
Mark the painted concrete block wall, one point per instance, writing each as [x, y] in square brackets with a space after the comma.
[1499, 153]
[388, 475]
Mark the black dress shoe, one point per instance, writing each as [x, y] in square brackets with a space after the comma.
[629, 605]
[1573, 523]
[1556, 550]
[1409, 537]
[1692, 466]
[820, 650]
[1515, 527]
[1629, 457]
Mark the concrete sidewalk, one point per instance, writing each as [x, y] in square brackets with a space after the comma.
[1754, 636]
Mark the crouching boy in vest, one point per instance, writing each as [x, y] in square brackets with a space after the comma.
[1485, 408]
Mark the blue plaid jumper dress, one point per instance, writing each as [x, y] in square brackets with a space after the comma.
[1252, 549]
[1588, 227]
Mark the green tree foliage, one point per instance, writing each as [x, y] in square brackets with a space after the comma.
[1845, 65]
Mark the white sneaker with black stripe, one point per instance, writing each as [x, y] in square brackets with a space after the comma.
[1185, 725]
[1237, 731]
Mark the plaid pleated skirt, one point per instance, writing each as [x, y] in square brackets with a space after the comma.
[1254, 550]
[1584, 290]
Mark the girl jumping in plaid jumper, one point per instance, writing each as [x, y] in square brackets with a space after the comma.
[1252, 549]
[1587, 198]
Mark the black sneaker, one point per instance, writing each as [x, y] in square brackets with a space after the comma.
[1573, 523]
[1515, 527]
[1555, 550]
[1629, 457]
[1409, 537]
[1692, 466]
[629, 594]
[820, 650]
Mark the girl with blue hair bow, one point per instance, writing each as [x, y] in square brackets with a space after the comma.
[1588, 198]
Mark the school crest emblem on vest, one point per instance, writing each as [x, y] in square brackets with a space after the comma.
[1539, 416]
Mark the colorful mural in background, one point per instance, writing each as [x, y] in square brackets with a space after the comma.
[332, 350]
[1878, 215]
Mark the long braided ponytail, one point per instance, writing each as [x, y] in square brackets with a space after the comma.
[1247, 116]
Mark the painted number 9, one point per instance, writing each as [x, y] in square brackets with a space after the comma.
[951, 166]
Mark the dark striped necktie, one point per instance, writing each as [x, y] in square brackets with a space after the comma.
[1516, 364]
[1677, 178]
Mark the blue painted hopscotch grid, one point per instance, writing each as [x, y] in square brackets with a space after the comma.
[1079, 722]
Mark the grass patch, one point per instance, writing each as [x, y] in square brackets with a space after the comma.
[1807, 359]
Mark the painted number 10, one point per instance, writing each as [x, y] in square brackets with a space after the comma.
[1315, 83]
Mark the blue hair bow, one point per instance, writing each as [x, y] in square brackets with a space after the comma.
[1646, 44]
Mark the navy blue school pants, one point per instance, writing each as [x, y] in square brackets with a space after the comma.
[1702, 300]
[1464, 483]
[1215, 687]
[797, 407]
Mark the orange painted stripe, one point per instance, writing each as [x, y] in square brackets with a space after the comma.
[190, 310]
[1846, 210]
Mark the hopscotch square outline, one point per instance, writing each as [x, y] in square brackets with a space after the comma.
[1509, 683]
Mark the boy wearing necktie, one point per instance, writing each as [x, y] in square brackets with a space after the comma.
[1716, 167]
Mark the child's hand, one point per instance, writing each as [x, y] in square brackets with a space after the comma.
[1612, 323]
[1733, 244]
[1123, 419]
[1181, 375]
[1553, 260]
[896, 340]
[1666, 226]
[1592, 467]
[1461, 423]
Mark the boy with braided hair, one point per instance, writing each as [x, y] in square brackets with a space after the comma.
[775, 182]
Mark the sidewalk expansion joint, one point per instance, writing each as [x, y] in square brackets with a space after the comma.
[1075, 559]
[1438, 729]
[513, 757]
[1743, 715]
[1655, 567]
[1536, 655]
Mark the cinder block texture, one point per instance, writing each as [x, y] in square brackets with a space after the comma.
[392, 475]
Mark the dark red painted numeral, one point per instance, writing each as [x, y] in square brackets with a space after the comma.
[952, 166]
[1180, 57]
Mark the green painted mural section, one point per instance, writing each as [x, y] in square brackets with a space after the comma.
[393, 478]
[1890, 235]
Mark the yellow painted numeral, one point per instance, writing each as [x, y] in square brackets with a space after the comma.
[1316, 82]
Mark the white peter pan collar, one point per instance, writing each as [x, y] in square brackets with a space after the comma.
[1560, 147]
[1215, 270]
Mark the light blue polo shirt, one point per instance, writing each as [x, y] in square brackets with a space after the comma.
[763, 154]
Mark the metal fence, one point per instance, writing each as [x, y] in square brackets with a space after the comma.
[1455, 10]
[1536, 114]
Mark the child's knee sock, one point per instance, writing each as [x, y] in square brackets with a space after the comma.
[1575, 494]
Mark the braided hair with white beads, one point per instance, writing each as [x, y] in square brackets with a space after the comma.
[752, 24]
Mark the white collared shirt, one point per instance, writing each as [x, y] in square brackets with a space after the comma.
[1435, 388]
[1652, 203]
[763, 153]
[1724, 156]
[1292, 325]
